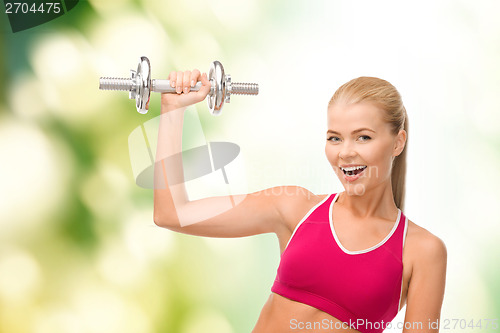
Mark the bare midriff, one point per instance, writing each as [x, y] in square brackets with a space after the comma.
[282, 315]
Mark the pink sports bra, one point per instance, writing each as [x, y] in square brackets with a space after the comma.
[361, 288]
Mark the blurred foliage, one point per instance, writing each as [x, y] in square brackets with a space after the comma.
[94, 261]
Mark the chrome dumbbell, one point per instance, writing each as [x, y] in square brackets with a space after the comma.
[140, 86]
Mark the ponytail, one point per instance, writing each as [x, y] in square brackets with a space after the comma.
[398, 174]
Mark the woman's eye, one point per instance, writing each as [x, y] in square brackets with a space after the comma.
[364, 137]
[333, 139]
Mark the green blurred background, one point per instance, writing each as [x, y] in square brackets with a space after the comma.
[79, 251]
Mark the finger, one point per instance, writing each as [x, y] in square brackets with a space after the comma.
[195, 74]
[172, 77]
[205, 82]
[186, 81]
[205, 86]
[178, 82]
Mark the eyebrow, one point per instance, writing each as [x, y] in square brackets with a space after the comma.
[353, 132]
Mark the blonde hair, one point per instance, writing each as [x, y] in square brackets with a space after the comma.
[385, 96]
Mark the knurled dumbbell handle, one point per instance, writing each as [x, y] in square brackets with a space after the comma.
[163, 86]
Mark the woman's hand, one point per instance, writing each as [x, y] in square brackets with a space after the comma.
[183, 82]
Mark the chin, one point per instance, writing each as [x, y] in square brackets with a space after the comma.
[354, 189]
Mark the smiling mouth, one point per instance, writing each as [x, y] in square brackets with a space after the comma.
[352, 171]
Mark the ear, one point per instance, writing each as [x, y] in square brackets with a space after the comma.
[399, 143]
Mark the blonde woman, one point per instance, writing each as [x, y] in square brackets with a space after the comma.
[350, 260]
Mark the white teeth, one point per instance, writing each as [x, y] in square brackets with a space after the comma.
[354, 168]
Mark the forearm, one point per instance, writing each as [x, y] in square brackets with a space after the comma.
[170, 196]
[169, 189]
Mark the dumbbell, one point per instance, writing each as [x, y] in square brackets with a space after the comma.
[140, 85]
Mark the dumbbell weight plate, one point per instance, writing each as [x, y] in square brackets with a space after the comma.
[143, 84]
[217, 77]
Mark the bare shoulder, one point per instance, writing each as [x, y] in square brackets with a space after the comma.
[423, 246]
[426, 275]
[293, 202]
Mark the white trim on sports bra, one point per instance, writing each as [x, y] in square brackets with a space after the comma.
[305, 218]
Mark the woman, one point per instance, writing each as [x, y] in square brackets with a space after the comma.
[349, 261]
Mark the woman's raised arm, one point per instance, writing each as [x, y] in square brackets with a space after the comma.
[221, 216]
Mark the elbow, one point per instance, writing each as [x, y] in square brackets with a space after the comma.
[159, 218]
[165, 221]
[159, 221]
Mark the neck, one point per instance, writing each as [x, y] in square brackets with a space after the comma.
[376, 202]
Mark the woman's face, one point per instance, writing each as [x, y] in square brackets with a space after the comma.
[360, 146]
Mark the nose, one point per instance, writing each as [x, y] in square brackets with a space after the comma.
[347, 152]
